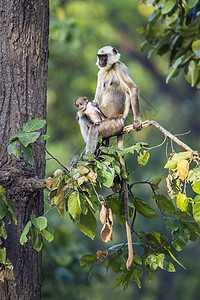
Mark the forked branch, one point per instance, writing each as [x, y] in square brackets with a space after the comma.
[166, 133]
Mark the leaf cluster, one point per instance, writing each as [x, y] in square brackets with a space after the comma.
[174, 28]
[35, 229]
[22, 140]
[6, 209]
[78, 192]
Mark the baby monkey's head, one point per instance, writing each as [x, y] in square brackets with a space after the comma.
[81, 103]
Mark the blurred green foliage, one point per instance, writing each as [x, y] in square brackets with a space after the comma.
[174, 28]
[77, 30]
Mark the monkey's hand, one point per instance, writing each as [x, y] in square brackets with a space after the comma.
[137, 125]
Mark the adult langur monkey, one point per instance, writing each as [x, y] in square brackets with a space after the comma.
[115, 94]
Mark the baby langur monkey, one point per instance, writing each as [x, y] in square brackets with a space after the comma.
[90, 110]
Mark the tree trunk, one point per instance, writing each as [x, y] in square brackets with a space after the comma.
[24, 26]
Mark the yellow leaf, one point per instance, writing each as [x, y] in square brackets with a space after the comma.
[92, 176]
[57, 178]
[48, 182]
[195, 45]
[182, 203]
[82, 169]
[103, 213]
[81, 180]
[61, 205]
[169, 182]
[183, 168]
[106, 233]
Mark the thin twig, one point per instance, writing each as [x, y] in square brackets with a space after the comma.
[64, 167]
[52, 208]
[147, 245]
[152, 185]
[148, 123]
[150, 148]
[133, 221]
[96, 193]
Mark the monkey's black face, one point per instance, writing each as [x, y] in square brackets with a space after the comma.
[103, 60]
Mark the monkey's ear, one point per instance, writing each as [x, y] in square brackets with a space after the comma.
[114, 50]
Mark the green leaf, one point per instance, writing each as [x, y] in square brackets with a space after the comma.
[36, 240]
[114, 150]
[180, 237]
[88, 223]
[74, 204]
[123, 280]
[164, 203]
[196, 208]
[192, 3]
[44, 137]
[117, 263]
[196, 187]
[3, 256]
[169, 19]
[48, 233]
[163, 264]
[195, 44]
[3, 208]
[2, 191]
[40, 222]
[23, 237]
[156, 181]
[144, 209]
[194, 230]
[172, 71]
[181, 214]
[154, 261]
[13, 149]
[175, 259]
[151, 261]
[169, 5]
[11, 212]
[135, 276]
[171, 224]
[182, 202]
[28, 153]
[117, 207]
[143, 158]
[106, 174]
[149, 274]
[3, 232]
[34, 125]
[135, 148]
[26, 138]
[175, 157]
[88, 262]
[194, 175]
[137, 259]
[193, 73]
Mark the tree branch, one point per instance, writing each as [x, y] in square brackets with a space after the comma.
[25, 183]
[166, 133]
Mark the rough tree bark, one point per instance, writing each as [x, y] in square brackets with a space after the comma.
[24, 26]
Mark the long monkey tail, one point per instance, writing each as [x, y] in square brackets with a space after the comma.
[125, 189]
